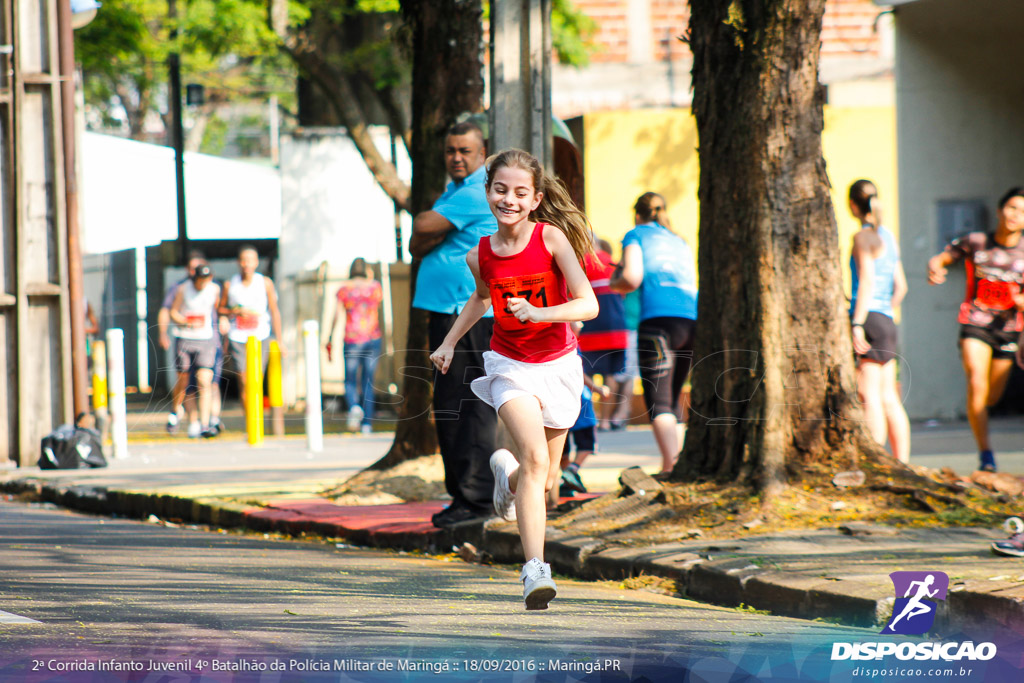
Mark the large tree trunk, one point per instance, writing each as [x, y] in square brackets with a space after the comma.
[773, 383]
[447, 77]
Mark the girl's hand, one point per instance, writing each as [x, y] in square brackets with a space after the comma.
[860, 342]
[442, 358]
[936, 271]
[524, 311]
[604, 390]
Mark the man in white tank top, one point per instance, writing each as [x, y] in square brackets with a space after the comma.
[249, 300]
[192, 312]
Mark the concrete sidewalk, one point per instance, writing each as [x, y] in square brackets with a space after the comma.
[824, 574]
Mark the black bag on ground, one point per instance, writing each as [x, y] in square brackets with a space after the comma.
[71, 448]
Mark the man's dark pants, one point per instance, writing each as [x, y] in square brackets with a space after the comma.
[465, 424]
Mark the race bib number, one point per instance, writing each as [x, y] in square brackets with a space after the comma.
[195, 319]
[995, 295]
[536, 289]
[247, 322]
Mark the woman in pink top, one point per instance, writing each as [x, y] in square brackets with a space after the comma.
[360, 298]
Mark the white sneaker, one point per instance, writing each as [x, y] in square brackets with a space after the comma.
[366, 429]
[194, 430]
[355, 418]
[172, 422]
[538, 587]
[503, 464]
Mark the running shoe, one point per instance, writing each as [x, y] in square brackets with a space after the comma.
[503, 464]
[355, 418]
[366, 429]
[216, 426]
[538, 587]
[209, 433]
[987, 461]
[1013, 546]
[172, 422]
[573, 481]
[194, 430]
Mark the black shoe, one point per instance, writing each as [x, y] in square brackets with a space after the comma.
[209, 432]
[455, 514]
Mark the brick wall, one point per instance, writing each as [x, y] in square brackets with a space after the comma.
[846, 32]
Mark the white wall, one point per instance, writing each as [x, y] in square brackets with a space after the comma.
[960, 130]
[332, 210]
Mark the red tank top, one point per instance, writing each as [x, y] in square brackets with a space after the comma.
[533, 275]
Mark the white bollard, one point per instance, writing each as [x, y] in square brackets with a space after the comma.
[115, 386]
[314, 412]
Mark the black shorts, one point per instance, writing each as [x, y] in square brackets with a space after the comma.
[584, 438]
[1003, 343]
[664, 350]
[604, 363]
[880, 331]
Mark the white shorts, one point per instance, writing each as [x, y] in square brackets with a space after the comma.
[557, 384]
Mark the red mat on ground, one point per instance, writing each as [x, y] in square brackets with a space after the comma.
[400, 518]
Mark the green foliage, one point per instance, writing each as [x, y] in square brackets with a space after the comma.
[572, 33]
[215, 137]
[225, 45]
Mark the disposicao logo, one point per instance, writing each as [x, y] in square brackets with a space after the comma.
[914, 613]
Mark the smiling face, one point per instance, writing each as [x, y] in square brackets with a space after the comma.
[512, 195]
[1012, 214]
[463, 155]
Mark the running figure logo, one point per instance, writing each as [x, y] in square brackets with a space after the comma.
[914, 612]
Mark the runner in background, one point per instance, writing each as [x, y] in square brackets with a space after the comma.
[196, 349]
[604, 339]
[249, 301]
[879, 286]
[184, 391]
[990, 316]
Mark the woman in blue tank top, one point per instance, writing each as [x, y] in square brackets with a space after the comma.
[879, 285]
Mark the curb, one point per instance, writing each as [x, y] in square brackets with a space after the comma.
[720, 580]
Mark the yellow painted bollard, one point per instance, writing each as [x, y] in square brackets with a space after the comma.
[274, 389]
[99, 388]
[254, 391]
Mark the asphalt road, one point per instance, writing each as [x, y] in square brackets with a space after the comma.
[118, 593]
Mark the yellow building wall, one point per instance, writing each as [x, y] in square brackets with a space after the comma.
[627, 153]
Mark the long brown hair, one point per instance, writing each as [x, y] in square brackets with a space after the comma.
[556, 206]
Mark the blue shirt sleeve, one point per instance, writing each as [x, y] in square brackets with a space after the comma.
[169, 298]
[630, 238]
[466, 203]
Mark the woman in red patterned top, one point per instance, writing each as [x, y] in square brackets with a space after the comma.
[529, 270]
[359, 298]
[991, 315]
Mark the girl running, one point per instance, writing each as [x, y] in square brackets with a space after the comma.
[990, 315]
[879, 285]
[529, 271]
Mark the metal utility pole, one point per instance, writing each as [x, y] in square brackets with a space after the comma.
[520, 112]
[177, 134]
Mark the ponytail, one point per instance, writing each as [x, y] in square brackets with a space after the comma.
[556, 206]
[864, 196]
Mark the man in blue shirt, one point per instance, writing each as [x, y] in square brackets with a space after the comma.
[442, 237]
